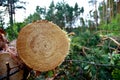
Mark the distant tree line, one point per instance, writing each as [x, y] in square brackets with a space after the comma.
[61, 13]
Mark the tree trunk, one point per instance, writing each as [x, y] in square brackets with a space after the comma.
[111, 9]
[118, 7]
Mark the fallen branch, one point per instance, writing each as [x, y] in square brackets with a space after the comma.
[93, 63]
[112, 39]
[83, 50]
[116, 42]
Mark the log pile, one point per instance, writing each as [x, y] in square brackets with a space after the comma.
[41, 45]
[9, 61]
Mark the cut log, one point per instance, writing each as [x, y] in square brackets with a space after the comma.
[6, 58]
[42, 45]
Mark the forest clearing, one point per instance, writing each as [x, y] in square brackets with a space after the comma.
[58, 43]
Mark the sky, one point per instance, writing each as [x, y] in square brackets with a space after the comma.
[31, 6]
[21, 14]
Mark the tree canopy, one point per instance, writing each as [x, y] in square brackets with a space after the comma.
[61, 13]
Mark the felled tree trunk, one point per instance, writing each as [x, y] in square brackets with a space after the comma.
[42, 45]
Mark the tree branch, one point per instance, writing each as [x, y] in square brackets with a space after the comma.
[93, 63]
